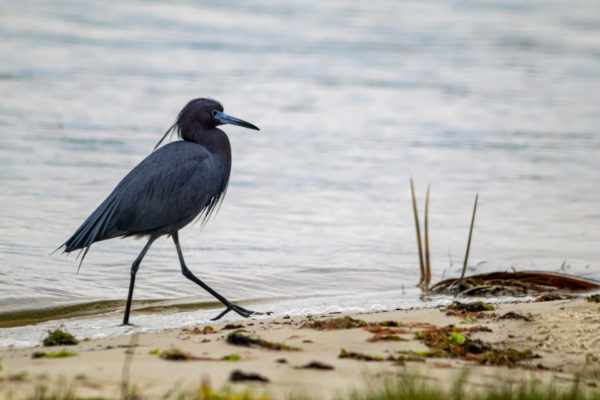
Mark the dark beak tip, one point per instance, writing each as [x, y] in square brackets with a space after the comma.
[248, 125]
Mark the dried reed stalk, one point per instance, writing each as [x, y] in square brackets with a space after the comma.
[426, 228]
[464, 268]
[418, 228]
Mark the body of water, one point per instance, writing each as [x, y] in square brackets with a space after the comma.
[499, 98]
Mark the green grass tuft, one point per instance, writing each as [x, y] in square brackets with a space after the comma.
[59, 338]
[404, 387]
[410, 387]
[595, 298]
[58, 354]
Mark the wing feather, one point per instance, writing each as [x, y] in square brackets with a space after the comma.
[163, 193]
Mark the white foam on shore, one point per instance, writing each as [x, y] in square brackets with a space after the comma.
[108, 325]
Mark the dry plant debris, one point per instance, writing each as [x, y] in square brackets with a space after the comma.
[334, 323]
[517, 283]
[237, 339]
[350, 323]
[232, 326]
[515, 315]
[469, 312]
[175, 354]
[360, 356]
[385, 337]
[463, 308]
[382, 332]
[240, 376]
[317, 365]
[199, 331]
[400, 360]
[450, 342]
[385, 334]
[402, 329]
[549, 297]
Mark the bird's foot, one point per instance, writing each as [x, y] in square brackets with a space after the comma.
[240, 310]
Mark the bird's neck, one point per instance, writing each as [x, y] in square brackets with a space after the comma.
[215, 141]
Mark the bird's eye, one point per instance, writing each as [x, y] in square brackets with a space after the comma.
[214, 113]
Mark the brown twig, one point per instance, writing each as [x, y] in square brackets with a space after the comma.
[464, 268]
[420, 246]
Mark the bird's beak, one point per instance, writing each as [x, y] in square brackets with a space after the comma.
[228, 119]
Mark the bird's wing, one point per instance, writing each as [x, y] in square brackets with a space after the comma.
[168, 188]
[164, 190]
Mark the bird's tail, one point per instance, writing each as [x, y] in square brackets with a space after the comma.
[96, 227]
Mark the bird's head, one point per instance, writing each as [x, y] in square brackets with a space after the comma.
[201, 115]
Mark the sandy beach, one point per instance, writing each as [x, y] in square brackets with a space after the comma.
[301, 355]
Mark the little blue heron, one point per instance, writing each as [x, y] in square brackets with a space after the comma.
[171, 187]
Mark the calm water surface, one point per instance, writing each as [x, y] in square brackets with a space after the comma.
[498, 98]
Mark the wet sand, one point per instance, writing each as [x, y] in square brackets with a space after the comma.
[564, 334]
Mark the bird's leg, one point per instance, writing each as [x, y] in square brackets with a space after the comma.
[188, 274]
[134, 268]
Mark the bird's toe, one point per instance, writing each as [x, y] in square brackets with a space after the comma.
[239, 310]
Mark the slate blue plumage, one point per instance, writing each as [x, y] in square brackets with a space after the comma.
[174, 185]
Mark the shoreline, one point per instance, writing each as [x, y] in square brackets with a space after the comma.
[102, 319]
[562, 333]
